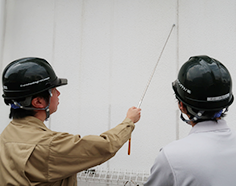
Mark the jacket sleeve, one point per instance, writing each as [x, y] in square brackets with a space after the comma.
[70, 154]
[161, 172]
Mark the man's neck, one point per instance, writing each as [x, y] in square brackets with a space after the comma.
[193, 124]
[41, 115]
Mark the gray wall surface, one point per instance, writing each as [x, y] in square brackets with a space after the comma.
[107, 50]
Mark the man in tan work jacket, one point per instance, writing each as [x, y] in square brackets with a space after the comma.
[32, 154]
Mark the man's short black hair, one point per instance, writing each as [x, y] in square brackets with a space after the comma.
[209, 114]
[22, 113]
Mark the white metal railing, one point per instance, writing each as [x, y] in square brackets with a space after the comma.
[112, 177]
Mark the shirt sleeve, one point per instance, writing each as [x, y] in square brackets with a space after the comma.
[70, 154]
[161, 172]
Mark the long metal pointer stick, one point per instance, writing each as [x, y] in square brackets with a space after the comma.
[141, 100]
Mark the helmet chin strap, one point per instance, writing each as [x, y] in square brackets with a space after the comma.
[199, 116]
[194, 119]
[17, 105]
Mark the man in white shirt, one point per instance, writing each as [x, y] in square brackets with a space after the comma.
[207, 156]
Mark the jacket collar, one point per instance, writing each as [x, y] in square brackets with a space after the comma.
[31, 121]
[208, 126]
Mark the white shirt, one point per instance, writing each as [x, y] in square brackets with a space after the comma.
[206, 157]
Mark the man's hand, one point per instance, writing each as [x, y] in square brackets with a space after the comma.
[134, 114]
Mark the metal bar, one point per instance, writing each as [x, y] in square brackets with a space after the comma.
[149, 81]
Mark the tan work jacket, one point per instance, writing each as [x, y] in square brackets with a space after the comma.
[31, 154]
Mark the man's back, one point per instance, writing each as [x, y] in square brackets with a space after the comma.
[25, 153]
[32, 154]
[207, 157]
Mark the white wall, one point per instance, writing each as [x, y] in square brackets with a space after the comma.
[2, 25]
[3, 109]
[107, 49]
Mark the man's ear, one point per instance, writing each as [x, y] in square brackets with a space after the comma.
[182, 107]
[38, 102]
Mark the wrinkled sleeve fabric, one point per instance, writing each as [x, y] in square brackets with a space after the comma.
[70, 154]
[161, 172]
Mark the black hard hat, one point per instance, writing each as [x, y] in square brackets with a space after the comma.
[28, 76]
[204, 84]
